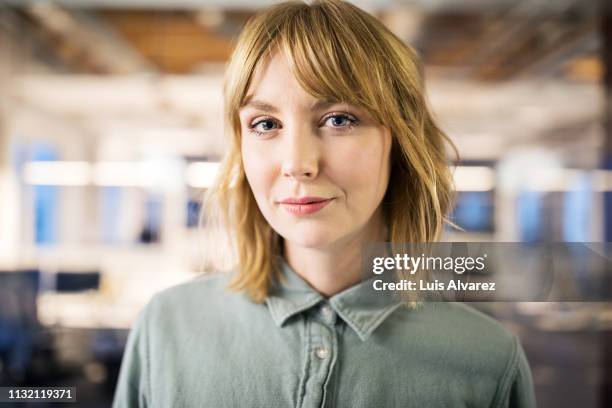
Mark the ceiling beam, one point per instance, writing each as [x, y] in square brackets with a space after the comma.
[84, 40]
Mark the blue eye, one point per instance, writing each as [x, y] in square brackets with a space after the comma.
[266, 124]
[341, 121]
[261, 127]
[338, 120]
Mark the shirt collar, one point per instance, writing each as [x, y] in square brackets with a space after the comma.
[362, 308]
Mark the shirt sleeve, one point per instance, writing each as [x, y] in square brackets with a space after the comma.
[132, 384]
[521, 394]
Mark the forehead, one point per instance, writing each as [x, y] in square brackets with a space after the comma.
[274, 78]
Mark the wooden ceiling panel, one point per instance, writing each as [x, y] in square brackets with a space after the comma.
[173, 41]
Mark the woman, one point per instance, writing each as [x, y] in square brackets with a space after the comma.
[332, 148]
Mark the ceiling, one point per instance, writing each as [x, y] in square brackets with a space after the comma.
[531, 68]
[482, 40]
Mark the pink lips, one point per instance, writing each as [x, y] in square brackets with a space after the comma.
[305, 205]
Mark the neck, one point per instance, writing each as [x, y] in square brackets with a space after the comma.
[334, 268]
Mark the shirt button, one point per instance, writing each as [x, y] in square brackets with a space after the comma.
[326, 310]
[322, 352]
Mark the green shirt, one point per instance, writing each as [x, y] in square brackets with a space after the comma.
[199, 345]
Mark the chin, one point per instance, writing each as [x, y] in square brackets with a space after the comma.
[311, 238]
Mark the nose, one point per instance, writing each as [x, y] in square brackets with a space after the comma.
[301, 154]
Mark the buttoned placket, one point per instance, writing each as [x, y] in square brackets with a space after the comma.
[322, 346]
[322, 324]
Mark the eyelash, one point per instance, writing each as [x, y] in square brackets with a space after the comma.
[353, 121]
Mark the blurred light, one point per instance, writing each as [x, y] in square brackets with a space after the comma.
[121, 174]
[563, 179]
[60, 173]
[164, 173]
[518, 169]
[602, 180]
[201, 174]
[551, 179]
[474, 178]
[160, 173]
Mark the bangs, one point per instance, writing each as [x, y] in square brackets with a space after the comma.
[331, 57]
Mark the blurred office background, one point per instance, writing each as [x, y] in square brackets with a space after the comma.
[111, 129]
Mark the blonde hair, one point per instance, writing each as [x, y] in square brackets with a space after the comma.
[336, 51]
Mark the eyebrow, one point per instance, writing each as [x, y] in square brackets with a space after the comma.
[265, 106]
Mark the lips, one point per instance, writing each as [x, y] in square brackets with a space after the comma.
[304, 205]
[303, 200]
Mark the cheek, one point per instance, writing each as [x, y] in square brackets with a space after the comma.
[258, 170]
[361, 166]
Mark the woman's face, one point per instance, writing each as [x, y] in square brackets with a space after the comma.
[318, 170]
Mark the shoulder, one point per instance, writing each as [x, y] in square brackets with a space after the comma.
[443, 333]
[460, 323]
[184, 316]
[498, 350]
[206, 300]
[209, 287]
[162, 329]
[203, 296]
[463, 334]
